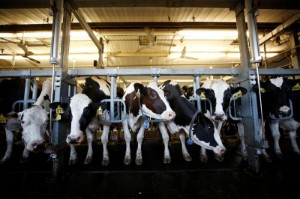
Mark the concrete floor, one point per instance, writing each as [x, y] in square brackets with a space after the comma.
[212, 180]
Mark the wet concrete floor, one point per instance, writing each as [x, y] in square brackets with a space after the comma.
[230, 179]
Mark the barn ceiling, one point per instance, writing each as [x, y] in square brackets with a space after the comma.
[139, 34]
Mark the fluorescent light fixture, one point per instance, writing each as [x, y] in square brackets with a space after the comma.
[209, 34]
[74, 34]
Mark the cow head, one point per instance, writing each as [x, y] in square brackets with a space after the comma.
[219, 93]
[205, 134]
[276, 93]
[34, 122]
[150, 99]
[96, 89]
[188, 91]
[83, 112]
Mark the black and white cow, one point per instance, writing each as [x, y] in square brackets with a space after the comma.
[145, 101]
[188, 91]
[203, 132]
[219, 93]
[86, 118]
[32, 122]
[276, 92]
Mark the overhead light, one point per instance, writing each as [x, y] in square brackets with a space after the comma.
[209, 34]
[74, 34]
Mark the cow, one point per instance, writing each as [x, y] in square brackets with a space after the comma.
[276, 93]
[143, 102]
[188, 91]
[32, 122]
[203, 132]
[219, 93]
[86, 118]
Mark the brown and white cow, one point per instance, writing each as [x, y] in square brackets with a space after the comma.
[145, 102]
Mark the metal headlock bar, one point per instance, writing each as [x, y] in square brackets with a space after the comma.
[147, 71]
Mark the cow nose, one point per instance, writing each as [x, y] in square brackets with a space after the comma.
[171, 115]
[36, 146]
[284, 109]
[223, 150]
[73, 140]
[219, 116]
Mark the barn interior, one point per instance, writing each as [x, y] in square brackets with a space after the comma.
[142, 41]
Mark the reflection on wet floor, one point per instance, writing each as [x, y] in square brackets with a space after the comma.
[212, 180]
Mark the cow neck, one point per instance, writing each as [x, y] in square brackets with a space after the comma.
[138, 95]
[190, 140]
[145, 117]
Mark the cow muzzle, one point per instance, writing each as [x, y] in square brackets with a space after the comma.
[284, 110]
[169, 115]
[219, 117]
[38, 145]
[74, 139]
[219, 153]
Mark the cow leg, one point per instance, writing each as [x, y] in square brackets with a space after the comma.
[274, 127]
[219, 125]
[203, 155]
[9, 144]
[291, 126]
[293, 135]
[127, 137]
[73, 155]
[165, 137]
[185, 153]
[25, 156]
[104, 140]
[241, 132]
[139, 138]
[89, 138]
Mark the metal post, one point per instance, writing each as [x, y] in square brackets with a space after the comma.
[196, 86]
[26, 93]
[249, 111]
[112, 97]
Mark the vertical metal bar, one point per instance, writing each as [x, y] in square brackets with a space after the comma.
[26, 93]
[252, 28]
[249, 110]
[256, 57]
[34, 89]
[56, 28]
[112, 97]
[196, 86]
[155, 78]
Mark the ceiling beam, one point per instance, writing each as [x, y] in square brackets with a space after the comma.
[280, 28]
[138, 25]
[261, 4]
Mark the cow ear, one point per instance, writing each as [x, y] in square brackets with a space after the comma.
[263, 86]
[241, 90]
[140, 87]
[202, 92]
[20, 115]
[295, 84]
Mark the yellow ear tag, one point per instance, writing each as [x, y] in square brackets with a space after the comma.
[239, 94]
[202, 95]
[59, 110]
[58, 117]
[2, 119]
[262, 90]
[296, 87]
[99, 111]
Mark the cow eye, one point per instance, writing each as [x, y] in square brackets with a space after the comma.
[153, 95]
